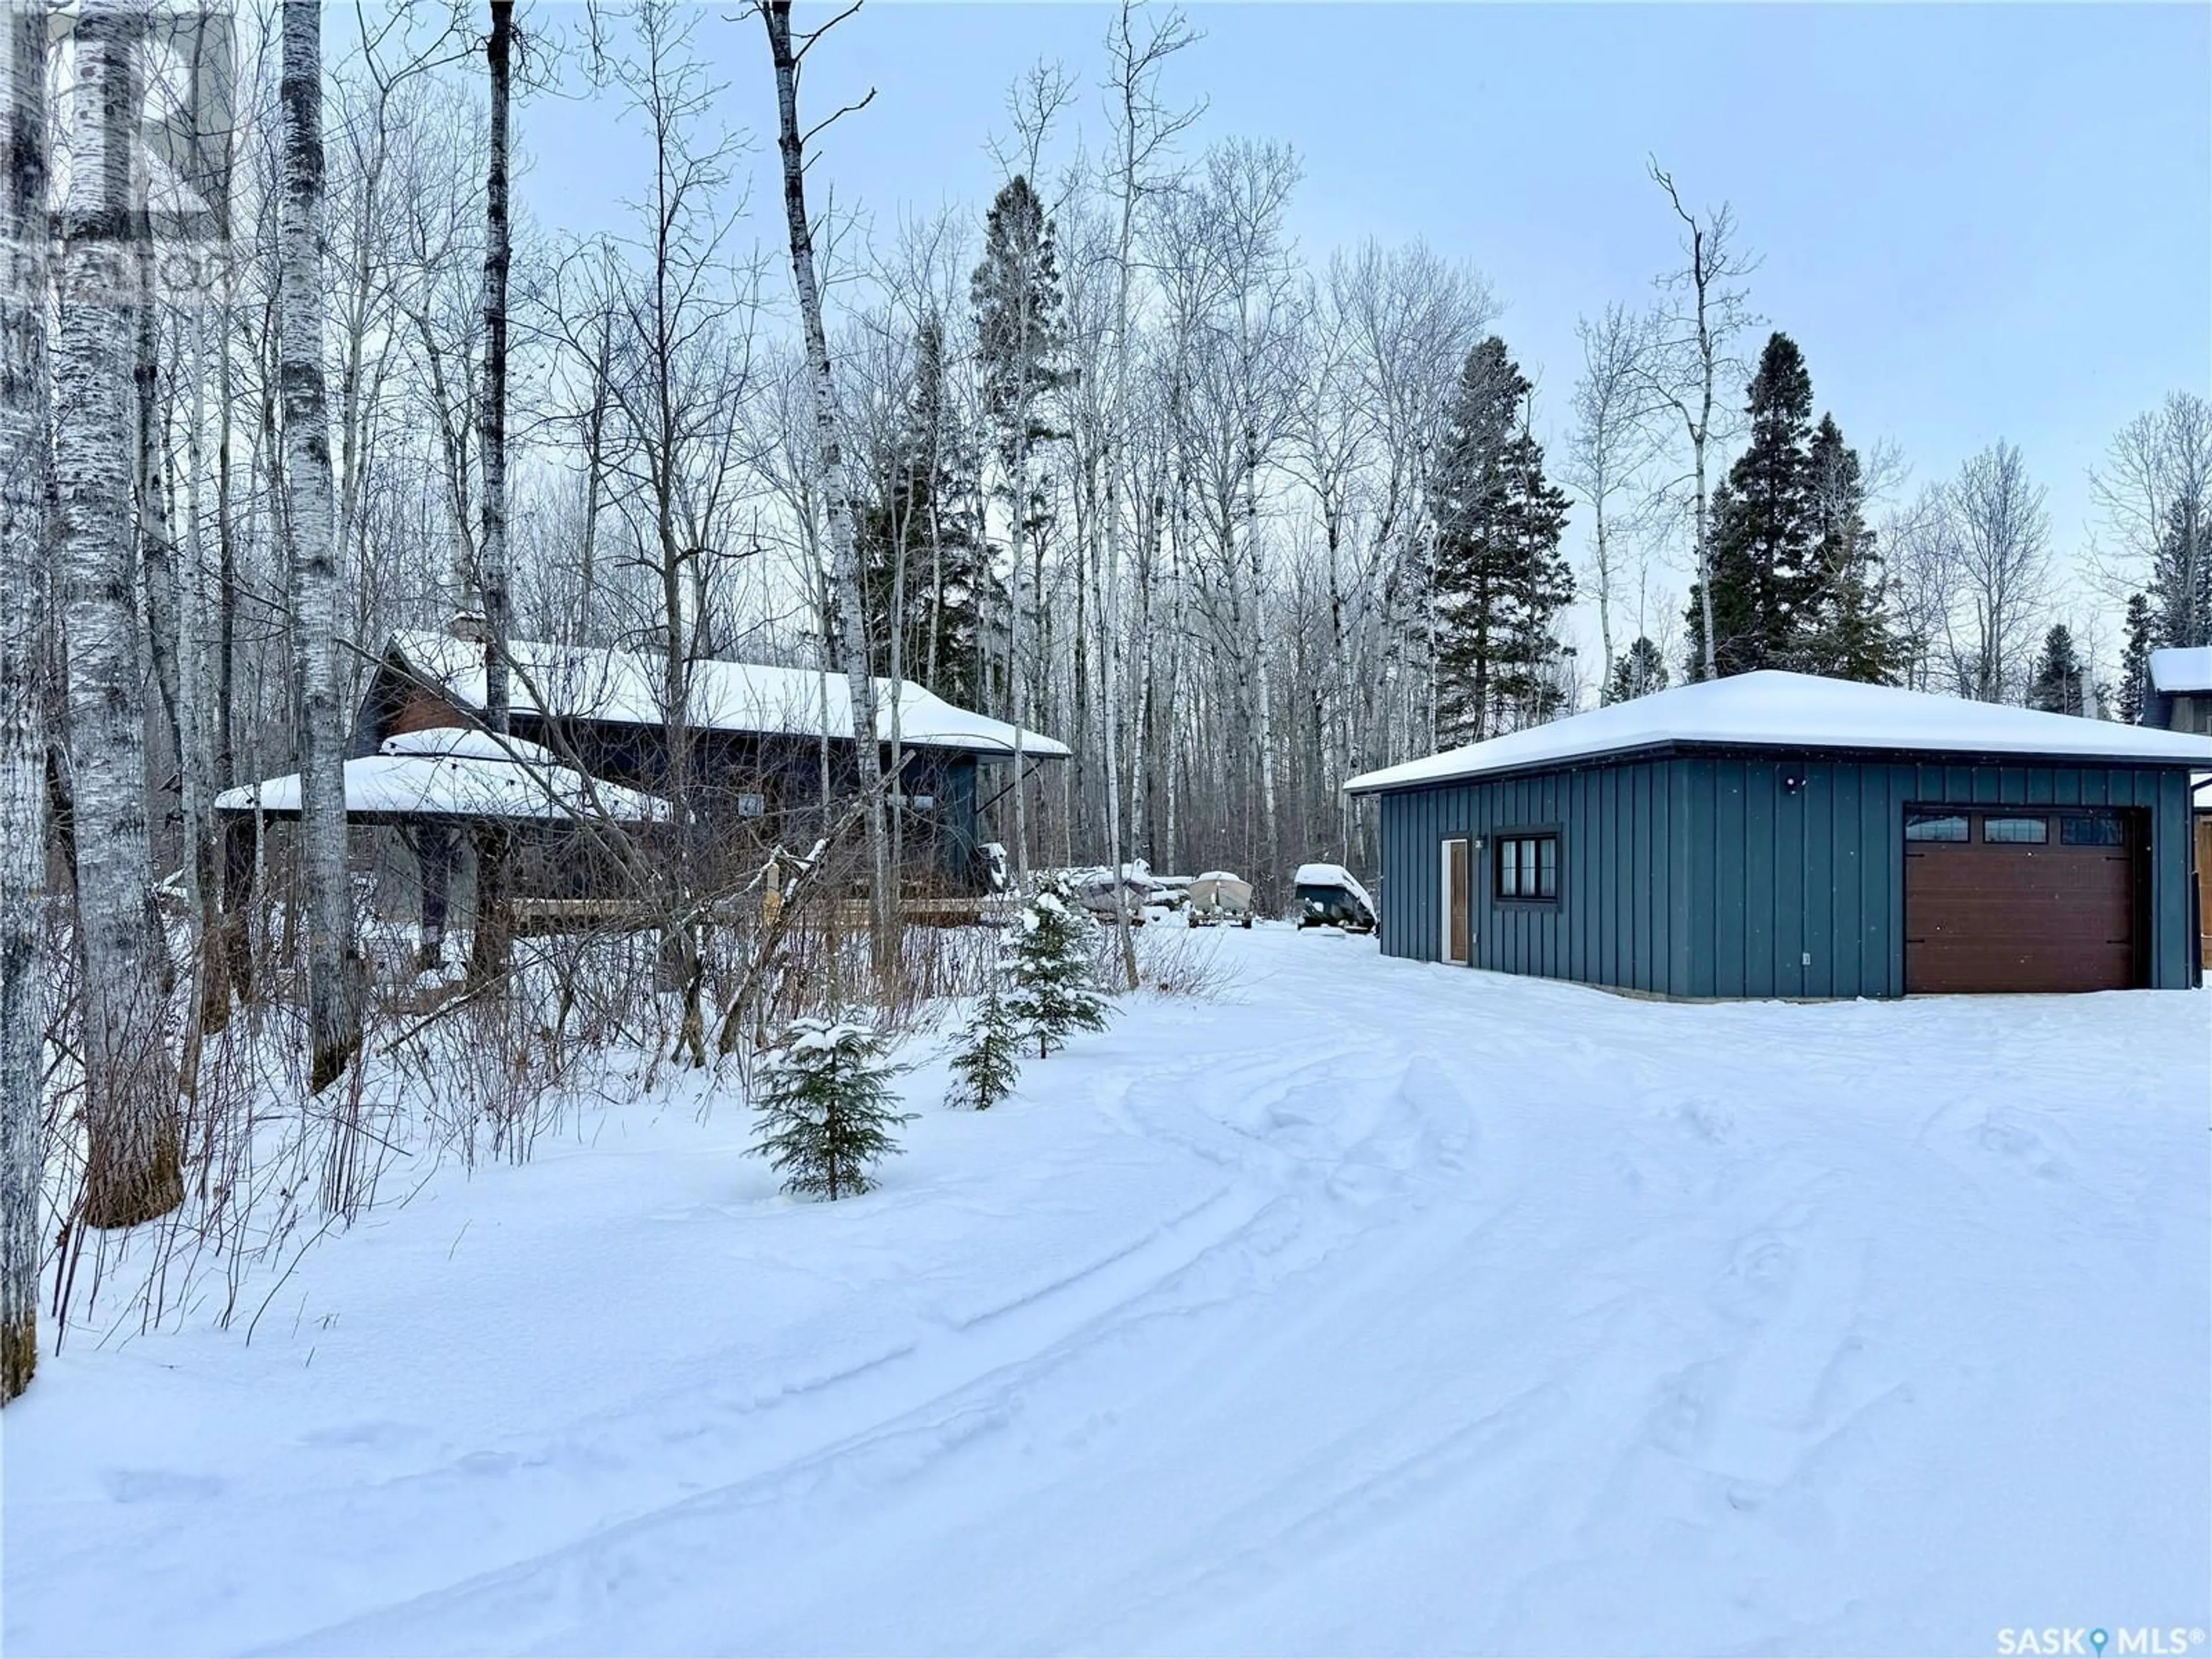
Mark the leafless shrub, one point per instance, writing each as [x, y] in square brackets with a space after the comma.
[1179, 962]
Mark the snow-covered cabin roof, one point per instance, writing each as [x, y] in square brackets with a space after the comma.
[2182, 668]
[1771, 709]
[452, 773]
[625, 687]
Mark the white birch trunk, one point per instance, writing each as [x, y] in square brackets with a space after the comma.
[311, 547]
[1110, 602]
[130, 1095]
[24, 482]
[488, 946]
[837, 504]
[198, 765]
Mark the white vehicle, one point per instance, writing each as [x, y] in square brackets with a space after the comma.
[1219, 897]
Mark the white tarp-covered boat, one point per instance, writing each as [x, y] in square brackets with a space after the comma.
[1094, 890]
[1220, 895]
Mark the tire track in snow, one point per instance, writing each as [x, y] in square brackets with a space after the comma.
[1227, 1239]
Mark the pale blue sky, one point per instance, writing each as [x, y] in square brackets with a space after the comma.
[1978, 220]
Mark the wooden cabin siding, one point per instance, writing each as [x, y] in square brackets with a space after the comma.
[939, 845]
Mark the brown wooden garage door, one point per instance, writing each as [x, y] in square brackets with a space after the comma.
[2019, 900]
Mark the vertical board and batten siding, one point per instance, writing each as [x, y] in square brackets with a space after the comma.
[1620, 910]
[1700, 875]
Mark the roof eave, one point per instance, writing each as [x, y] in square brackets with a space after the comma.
[1687, 747]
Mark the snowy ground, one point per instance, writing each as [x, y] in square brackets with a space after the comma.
[1386, 1308]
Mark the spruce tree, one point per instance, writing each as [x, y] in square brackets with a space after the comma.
[1763, 523]
[2135, 659]
[1020, 334]
[987, 1062]
[2056, 687]
[922, 512]
[1843, 624]
[1049, 960]
[1499, 577]
[827, 1109]
[1636, 672]
[2181, 576]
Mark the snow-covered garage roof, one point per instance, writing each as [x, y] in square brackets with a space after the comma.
[452, 773]
[2182, 668]
[1774, 710]
[625, 687]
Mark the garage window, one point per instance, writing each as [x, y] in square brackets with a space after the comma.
[2018, 832]
[1935, 826]
[1529, 868]
[2102, 830]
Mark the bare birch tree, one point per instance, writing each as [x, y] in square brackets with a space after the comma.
[130, 1081]
[2154, 491]
[1611, 445]
[311, 557]
[1693, 367]
[837, 507]
[494, 920]
[2001, 537]
[25, 482]
[1143, 127]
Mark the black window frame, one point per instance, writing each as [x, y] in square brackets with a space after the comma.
[1535, 842]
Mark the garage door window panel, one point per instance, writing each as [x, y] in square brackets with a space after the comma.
[2101, 831]
[1937, 826]
[2016, 832]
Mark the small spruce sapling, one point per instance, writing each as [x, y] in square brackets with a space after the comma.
[827, 1110]
[987, 1063]
[1049, 957]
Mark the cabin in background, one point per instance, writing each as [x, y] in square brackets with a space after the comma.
[768, 766]
[770, 755]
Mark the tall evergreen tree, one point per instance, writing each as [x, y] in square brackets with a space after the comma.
[1763, 523]
[1020, 335]
[922, 512]
[1499, 577]
[1843, 627]
[1636, 672]
[2135, 659]
[2181, 577]
[2059, 684]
